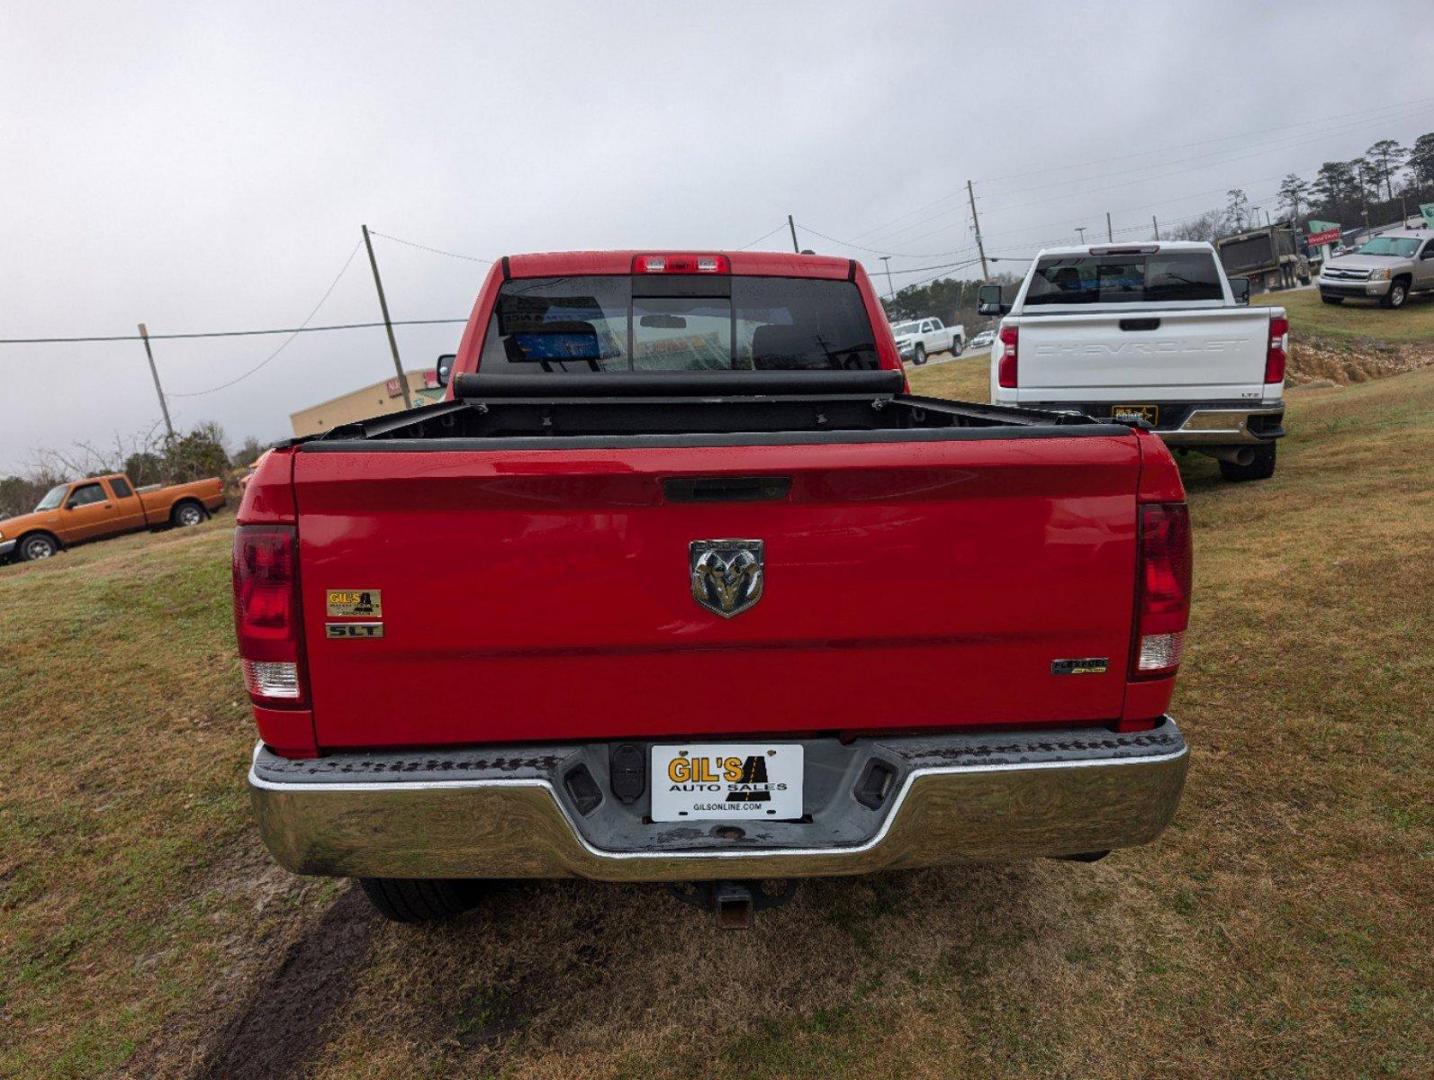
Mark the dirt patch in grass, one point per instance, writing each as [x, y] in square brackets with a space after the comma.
[1333, 362]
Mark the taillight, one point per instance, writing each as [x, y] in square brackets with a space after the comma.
[267, 615]
[681, 264]
[1162, 590]
[1276, 354]
[1006, 366]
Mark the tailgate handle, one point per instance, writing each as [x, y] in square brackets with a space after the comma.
[705, 489]
[1140, 324]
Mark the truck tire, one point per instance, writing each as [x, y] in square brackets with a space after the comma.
[37, 546]
[417, 900]
[1262, 468]
[919, 356]
[1397, 294]
[188, 513]
[958, 347]
[1331, 299]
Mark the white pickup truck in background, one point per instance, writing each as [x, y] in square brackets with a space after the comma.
[919, 338]
[1154, 332]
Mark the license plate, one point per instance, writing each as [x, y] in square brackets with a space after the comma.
[1149, 413]
[727, 781]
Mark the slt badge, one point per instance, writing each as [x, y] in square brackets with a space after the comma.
[726, 574]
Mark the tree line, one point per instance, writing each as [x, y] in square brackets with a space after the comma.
[147, 459]
[1385, 183]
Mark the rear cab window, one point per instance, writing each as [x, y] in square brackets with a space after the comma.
[120, 487]
[595, 323]
[1124, 279]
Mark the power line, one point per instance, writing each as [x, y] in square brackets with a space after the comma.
[892, 254]
[1369, 115]
[434, 250]
[225, 333]
[764, 236]
[262, 363]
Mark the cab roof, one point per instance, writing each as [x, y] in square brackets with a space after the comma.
[748, 263]
[1147, 248]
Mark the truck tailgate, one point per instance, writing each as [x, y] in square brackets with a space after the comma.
[1197, 354]
[545, 594]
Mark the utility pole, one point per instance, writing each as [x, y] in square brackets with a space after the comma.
[154, 371]
[890, 288]
[1081, 229]
[1109, 236]
[976, 224]
[387, 322]
[793, 226]
[1155, 225]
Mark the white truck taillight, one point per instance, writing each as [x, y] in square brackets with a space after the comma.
[1162, 590]
[1006, 375]
[1276, 354]
[267, 615]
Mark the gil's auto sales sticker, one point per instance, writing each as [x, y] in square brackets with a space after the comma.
[727, 782]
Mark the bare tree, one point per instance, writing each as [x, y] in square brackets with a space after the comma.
[1386, 157]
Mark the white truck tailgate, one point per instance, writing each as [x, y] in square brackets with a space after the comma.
[1202, 353]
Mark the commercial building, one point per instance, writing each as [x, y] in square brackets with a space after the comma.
[375, 400]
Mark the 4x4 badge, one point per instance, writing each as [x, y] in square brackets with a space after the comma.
[726, 574]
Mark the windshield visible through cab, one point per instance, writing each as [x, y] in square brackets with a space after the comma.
[1124, 279]
[1402, 247]
[902, 329]
[52, 497]
[677, 323]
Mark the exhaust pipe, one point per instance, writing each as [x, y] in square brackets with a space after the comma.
[1236, 455]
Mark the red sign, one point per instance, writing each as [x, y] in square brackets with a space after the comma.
[1329, 236]
[430, 379]
[394, 387]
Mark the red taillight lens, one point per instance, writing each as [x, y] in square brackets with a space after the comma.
[1006, 366]
[1276, 355]
[681, 264]
[266, 612]
[1162, 600]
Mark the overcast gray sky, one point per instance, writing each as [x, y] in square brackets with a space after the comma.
[206, 166]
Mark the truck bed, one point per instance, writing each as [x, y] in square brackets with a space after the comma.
[925, 562]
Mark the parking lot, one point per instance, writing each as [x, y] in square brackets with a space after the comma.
[1279, 927]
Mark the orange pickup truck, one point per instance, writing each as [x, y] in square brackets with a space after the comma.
[102, 506]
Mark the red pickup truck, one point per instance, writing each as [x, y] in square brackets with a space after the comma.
[681, 584]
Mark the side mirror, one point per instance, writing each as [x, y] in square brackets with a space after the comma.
[988, 301]
[445, 368]
[1240, 289]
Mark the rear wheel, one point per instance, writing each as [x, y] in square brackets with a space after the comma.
[189, 513]
[416, 900]
[919, 356]
[958, 347]
[1395, 297]
[38, 546]
[1261, 468]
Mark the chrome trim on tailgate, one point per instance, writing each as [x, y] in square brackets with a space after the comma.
[519, 826]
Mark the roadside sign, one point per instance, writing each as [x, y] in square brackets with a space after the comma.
[1317, 226]
[1427, 209]
[1328, 236]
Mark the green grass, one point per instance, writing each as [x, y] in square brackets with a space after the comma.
[1360, 320]
[1280, 928]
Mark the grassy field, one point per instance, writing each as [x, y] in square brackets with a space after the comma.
[1354, 320]
[1280, 928]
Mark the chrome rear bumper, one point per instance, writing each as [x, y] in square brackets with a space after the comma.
[504, 812]
[1224, 427]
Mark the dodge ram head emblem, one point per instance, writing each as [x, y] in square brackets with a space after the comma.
[726, 574]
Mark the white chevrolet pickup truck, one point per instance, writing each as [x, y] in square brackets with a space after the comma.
[919, 338]
[1152, 332]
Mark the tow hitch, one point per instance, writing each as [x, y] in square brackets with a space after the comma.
[734, 904]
